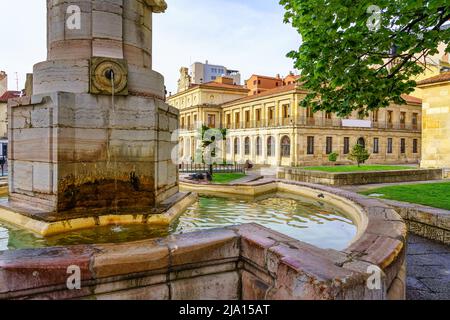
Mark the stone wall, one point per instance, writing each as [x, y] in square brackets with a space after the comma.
[80, 151]
[3, 82]
[427, 222]
[436, 122]
[358, 178]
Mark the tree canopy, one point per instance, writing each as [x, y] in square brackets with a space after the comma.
[363, 54]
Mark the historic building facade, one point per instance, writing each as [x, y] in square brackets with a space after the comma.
[5, 95]
[436, 121]
[202, 104]
[270, 128]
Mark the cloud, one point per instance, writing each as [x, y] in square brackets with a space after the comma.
[248, 35]
[23, 26]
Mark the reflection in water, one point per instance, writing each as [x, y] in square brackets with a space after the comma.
[303, 219]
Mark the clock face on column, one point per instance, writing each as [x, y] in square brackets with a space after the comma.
[109, 76]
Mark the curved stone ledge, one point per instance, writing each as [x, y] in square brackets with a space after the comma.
[242, 262]
[176, 206]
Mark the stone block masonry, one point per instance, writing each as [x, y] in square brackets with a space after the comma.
[94, 136]
[78, 151]
[358, 178]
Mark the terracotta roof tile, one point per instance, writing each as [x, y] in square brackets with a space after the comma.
[10, 95]
[411, 99]
[445, 76]
[270, 92]
[214, 84]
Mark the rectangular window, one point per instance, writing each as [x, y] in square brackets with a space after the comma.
[415, 146]
[258, 114]
[237, 119]
[329, 148]
[271, 113]
[310, 146]
[415, 120]
[211, 121]
[389, 145]
[309, 112]
[346, 145]
[247, 116]
[328, 115]
[376, 145]
[403, 146]
[228, 119]
[402, 120]
[286, 111]
[375, 116]
[390, 116]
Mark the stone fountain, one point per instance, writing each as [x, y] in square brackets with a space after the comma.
[95, 135]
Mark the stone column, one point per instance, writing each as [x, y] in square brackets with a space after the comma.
[293, 149]
[264, 148]
[278, 149]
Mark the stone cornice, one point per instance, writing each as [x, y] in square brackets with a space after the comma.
[158, 6]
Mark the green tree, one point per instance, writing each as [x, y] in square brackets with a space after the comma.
[362, 54]
[210, 136]
[359, 154]
[332, 157]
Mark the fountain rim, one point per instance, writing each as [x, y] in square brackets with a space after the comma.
[381, 242]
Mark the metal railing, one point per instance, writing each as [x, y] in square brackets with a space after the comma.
[302, 121]
[318, 122]
[4, 166]
[217, 168]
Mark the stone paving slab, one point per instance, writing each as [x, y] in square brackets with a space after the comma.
[428, 270]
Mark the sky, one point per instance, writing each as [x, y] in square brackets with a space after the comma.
[247, 35]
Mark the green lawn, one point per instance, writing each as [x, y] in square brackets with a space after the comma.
[433, 194]
[226, 177]
[355, 168]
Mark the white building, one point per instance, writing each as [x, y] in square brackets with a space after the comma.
[205, 72]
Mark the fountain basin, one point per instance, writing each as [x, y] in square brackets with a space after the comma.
[243, 262]
[307, 220]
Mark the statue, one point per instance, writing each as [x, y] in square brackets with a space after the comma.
[185, 80]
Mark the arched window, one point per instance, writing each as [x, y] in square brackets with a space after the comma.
[362, 142]
[236, 146]
[247, 146]
[228, 146]
[258, 146]
[285, 147]
[270, 146]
